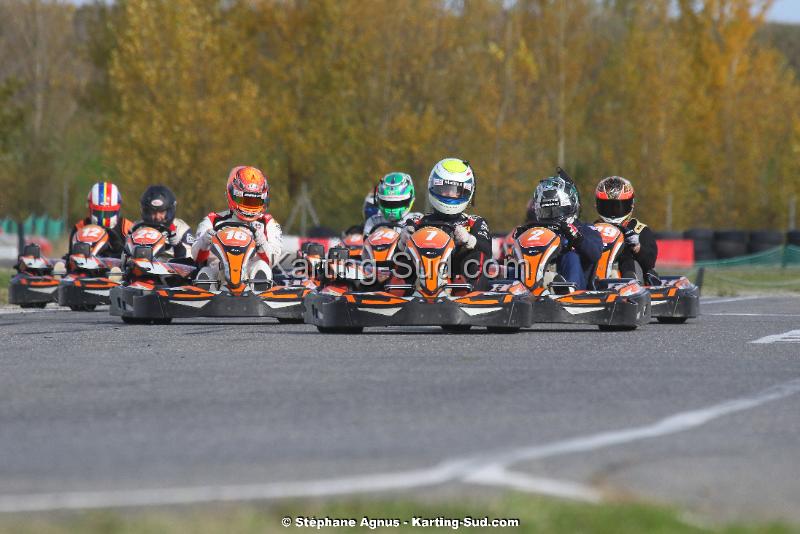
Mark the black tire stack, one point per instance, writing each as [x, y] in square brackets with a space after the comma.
[668, 235]
[793, 238]
[730, 243]
[703, 243]
[762, 240]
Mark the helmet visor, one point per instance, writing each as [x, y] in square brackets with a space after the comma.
[450, 190]
[155, 215]
[554, 212]
[250, 201]
[614, 208]
[395, 204]
[104, 217]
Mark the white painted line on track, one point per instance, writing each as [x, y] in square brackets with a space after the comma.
[731, 299]
[489, 468]
[17, 311]
[733, 314]
[792, 336]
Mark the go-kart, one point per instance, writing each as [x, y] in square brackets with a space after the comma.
[146, 267]
[88, 279]
[429, 297]
[673, 299]
[611, 303]
[231, 295]
[34, 284]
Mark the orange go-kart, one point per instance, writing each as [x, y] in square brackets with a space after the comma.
[146, 267]
[89, 275]
[612, 303]
[232, 295]
[428, 296]
[34, 284]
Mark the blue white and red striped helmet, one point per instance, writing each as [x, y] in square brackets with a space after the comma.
[105, 202]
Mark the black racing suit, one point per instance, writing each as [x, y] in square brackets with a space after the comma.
[647, 254]
[475, 271]
[116, 236]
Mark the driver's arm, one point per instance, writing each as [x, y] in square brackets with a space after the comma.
[200, 248]
[480, 229]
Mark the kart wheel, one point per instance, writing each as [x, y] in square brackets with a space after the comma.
[163, 320]
[340, 329]
[615, 328]
[502, 329]
[33, 305]
[289, 320]
[134, 320]
[456, 328]
[82, 307]
[671, 320]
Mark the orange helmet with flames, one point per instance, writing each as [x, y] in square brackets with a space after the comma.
[247, 192]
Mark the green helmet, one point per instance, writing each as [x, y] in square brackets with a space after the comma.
[395, 195]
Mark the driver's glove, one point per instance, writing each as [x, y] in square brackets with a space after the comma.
[204, 241]
[463, 237]
[572, 233]
[631, 238]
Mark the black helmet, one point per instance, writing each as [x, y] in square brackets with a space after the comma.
[158, 199]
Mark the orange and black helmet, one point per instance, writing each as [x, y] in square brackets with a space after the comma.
[247, 192]
[614, 198]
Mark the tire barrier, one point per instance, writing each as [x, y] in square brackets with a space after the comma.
[730, 243]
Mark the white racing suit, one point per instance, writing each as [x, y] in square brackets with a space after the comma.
[268, 251]
[180, 238]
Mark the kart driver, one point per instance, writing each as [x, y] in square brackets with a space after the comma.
[615, 199]
[104, 203]
[247, 193]
[556, 205]
[451, 188]
[158, 204]
[395, 198]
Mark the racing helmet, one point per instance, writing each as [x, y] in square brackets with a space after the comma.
[247, 192]
[158, 204]
[370, 206]
[104, 202]
[556, 200]
[395, 194]
[614, 198]
[451, 186]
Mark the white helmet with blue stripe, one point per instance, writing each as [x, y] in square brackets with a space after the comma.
[451, 186]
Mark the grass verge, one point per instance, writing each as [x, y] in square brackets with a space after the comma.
[535, 515]
[5, 278]
[742, 281]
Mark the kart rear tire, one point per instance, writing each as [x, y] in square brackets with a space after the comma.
[502, 329]
[290, 320]
[340, 329]
[456, 328]
[33, 305]
[163, 320]
[82, 307]
[671, 320]
[134, 320]
[615, 328]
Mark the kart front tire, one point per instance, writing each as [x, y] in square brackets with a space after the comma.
[616, 328]
[33, 305]
[134, 320]
[671, 320]
[290, 320]
[456, 328]
[340, 329]
[502, 329]
[82, 307]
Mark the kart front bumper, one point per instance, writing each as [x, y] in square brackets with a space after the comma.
[279, 302]
[383, 309]
[26, 289]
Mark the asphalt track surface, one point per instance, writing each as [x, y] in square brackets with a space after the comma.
[95, 413]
